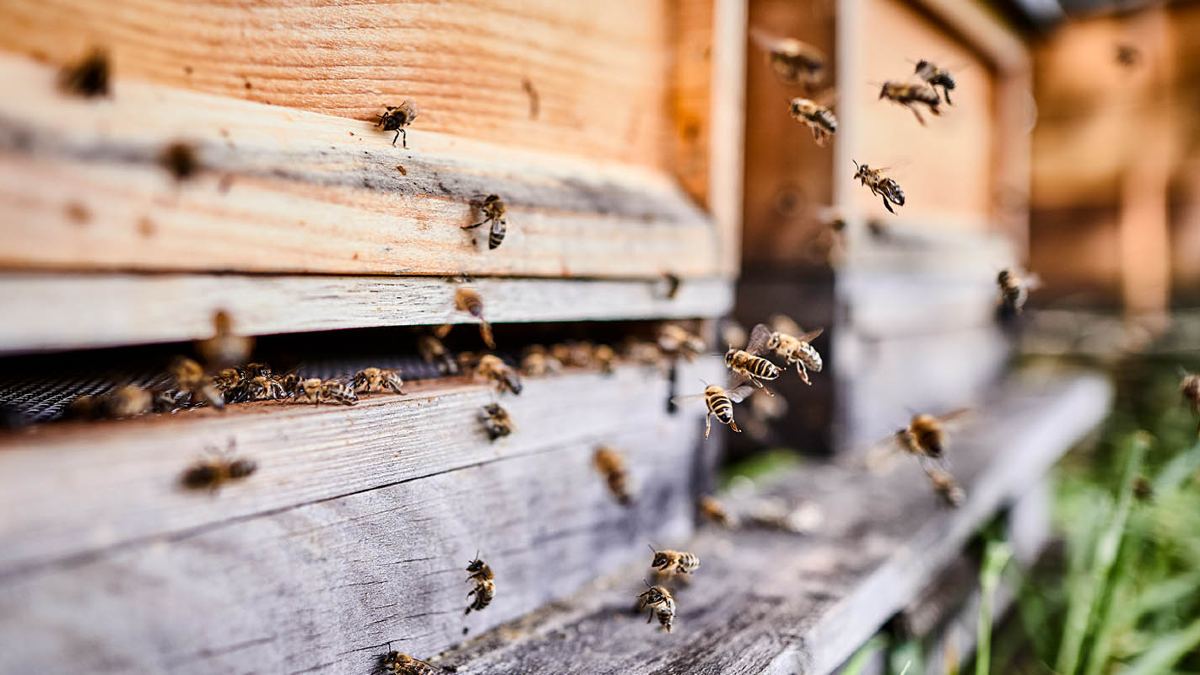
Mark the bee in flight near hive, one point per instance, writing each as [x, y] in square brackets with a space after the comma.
[396, 663]
[213, 472]
[719, 402]
[936, 77]
[925, 436]
[793, 61]
[748, 365]
[485, 585]
[225, 348]
[912, 94]
[494, 211]
[945, 485]
[468, 300]
[190, 377]
[611, 466]
[817, 117]
[661, 604]
[714, 511]
[1014, 290]
[674, 562]
[377, 381]
[795, 349]
[675, 341]
[496, 421]
[433, 352]
[491, 367]
[396, 118]
[880, 185]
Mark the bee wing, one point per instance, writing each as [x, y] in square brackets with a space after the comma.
[811, 335]
[931, 465]
[1032, 281]
[827, 98]
[764, 40]
[784, 324]
[954, 415]
[758, 340]
[740, 393]
[684, 399]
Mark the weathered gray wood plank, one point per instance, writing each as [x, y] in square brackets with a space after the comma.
[75, 491]
[75, 311]
[767, 602]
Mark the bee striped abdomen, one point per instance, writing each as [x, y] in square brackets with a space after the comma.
[484, 591]
[891, 189]
[763, 369]
[496, 235]
[688, 563]
[721, 407]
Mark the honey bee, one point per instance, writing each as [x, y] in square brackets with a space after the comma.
[658, 599]
[538, 362]
[377, 381]
[496, 421]
[265, 388]
[89, 76]
[910, 95]
[796, 349]
[925, 436]
[224, 348]
[227, 380]
[645, 353]
[605, 358]
[290, 384]
[936, 77]
[946, 487]
[213, 472]
[674, 562]
[719, 402]
[880, 185]
[611, 466]
[468, 300]
[128, 401]
[485, 585]
[574, 354]
[714, 511]
[491, 367]
[396, 663]
[1014, 289]
[748, 364]
[190, 377]
[396, 118]
[675, 341]
[493, 210]
[793, 61]
[818, 118]
[432, 351]
[333, 391]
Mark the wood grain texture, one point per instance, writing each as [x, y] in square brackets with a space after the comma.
[600, 70]
[65, 311]
[281, 190]
[122, 477]
[768, 602]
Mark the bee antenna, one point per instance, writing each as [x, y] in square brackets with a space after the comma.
[652, 549]
[856, 165]
[646, 582]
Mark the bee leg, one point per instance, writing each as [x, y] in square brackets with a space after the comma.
[404, 133]
[733, 425]
[803, 372]
[887, 205]
[946, 93]
[918, 114]
[396, 137]
[650, 617]
[707, 424]
[471, 227]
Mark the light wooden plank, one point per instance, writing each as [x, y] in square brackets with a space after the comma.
[766, 602]
[74, 311]
[122, 477]
[727, 112]
[289, 191]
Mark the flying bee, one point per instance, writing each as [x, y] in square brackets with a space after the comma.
[432, 351]
[946, 487]
[714, 511]
[265, 388]
[216, 470]
[793, 61]
[397, 118]
[749, 365]
[611, 465]
[925, 436]
[719, 403]
[880, 185]
[224, 348]
[496, 421]
[796, 349]
[658, 599]
[190, 377]
[538, 362]
[377, 381]
[818, 118]
[936, 77]
[605, 358]
[468, 300]
[396, 663]
[1014, 290]
[494, 211]
[674, 562]
[912, 94]
[491, 367]
[675, 341]
[485, 584]
[89, 76]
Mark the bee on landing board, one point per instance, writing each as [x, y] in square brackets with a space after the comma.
[494, 211]
[795, 349]
[936, 77]
[1014, 290]
[396, 118]
[265, 388]
[377, 381]
[485, 584]
[661, 604]
[912, 94]
[220, 468]
[537, 362]
[496, 421]
[314, 390]
[190, 377]
[433, 352]
[817, 117]
[793, 62]
[611, 465]
[674, 562]
[880, 185]
[491, 367]
[397, 663]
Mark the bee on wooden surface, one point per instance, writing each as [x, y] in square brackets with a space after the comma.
[396, 663]
[494, 211]
[880, 185]
[714, 511]
[265, 388]
[605, 358]
[1014, 290]
[936, 77]
[338, 393]
[675, 340]
[190, 377]
[214, 471]
[377, 381]
[793, 61]
[83, 407]
[912, 94]
[946, 487]
[491, 367]
[128, 401]
[925, 436]
[224, 348]
[538, 362]
[485, 585]
[290, 384]
[661, 604]
[749, 365]
[89, 76]
[611, 465]
[818, 118]
[432, 351]
[396, 118]
[496, 421]
[795, 349]
[674, 562]
[308, 390]
[468, 300]
[227, 380]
